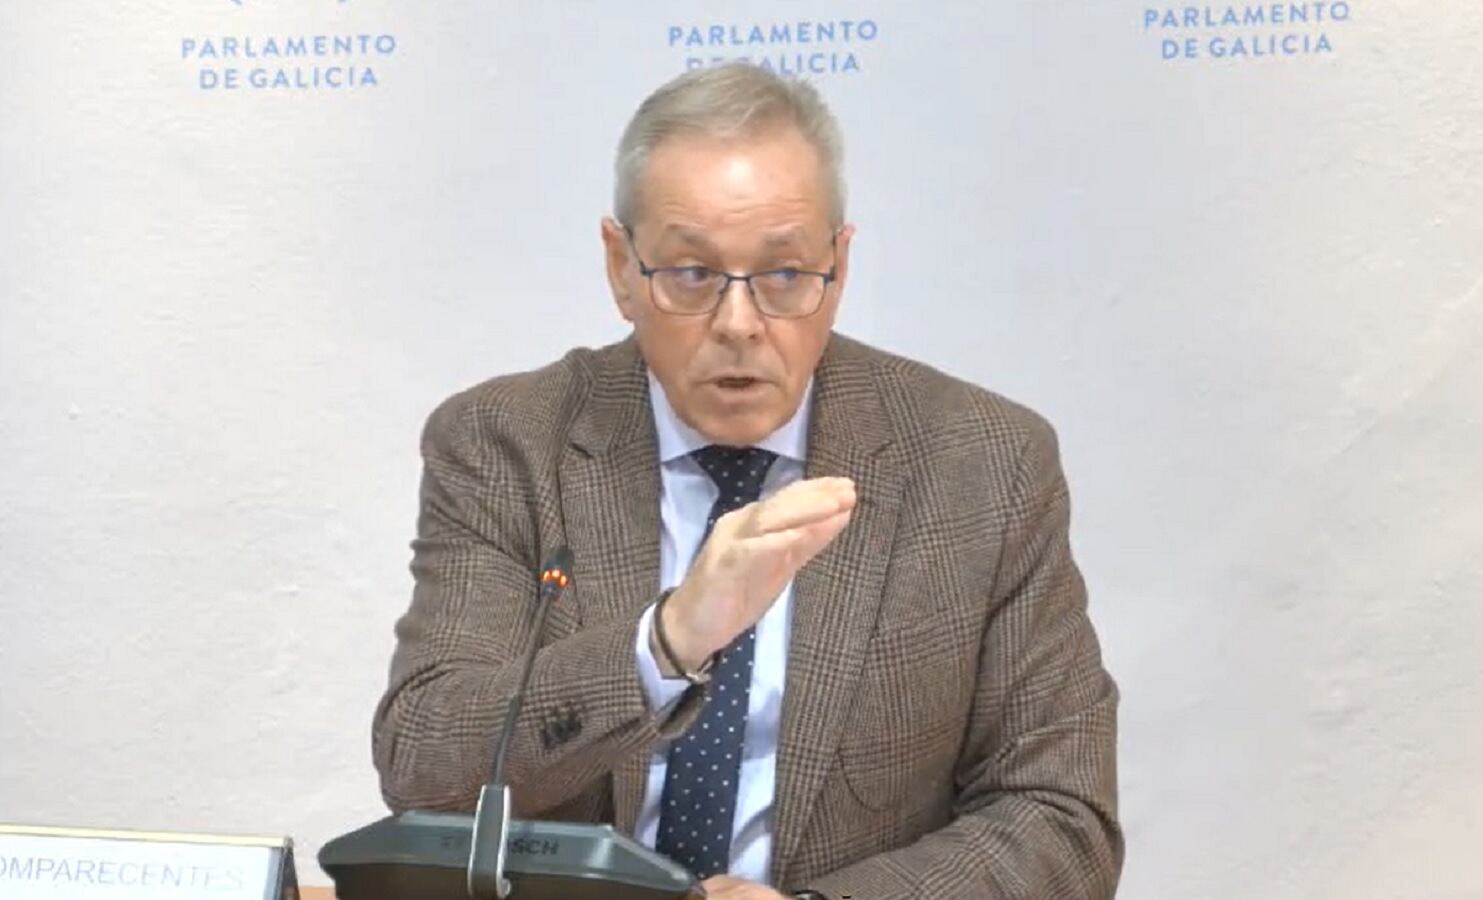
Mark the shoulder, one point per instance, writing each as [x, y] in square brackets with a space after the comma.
[531, 406]
[934, 412]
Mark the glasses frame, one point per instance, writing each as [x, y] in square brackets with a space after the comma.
[648, 272]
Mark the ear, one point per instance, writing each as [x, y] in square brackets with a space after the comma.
[620, 270]
[842, 239]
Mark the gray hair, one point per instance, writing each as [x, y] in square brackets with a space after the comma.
[732, 100]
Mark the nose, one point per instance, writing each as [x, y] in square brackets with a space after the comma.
[737, 318]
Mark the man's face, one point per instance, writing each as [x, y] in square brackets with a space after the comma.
[739, 206]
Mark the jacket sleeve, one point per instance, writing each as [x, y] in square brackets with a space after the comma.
[460, 645]
[1036, 783]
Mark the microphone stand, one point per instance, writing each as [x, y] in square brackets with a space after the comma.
[487, 856]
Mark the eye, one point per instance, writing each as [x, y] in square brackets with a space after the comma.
[691, 276]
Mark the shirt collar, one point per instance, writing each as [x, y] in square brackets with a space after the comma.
[676, 439]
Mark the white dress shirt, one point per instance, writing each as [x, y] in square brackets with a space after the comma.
[686, 496]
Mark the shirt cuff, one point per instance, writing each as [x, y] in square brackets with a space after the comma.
[661, 691]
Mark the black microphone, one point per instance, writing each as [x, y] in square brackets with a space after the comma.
[556, 574]
[492, 815]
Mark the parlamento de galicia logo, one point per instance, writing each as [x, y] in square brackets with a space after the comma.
[796, 48]
[1251, 31]
[287, 62]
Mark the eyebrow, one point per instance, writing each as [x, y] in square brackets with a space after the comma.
[687, 235]
[791, 236]
[788, 237]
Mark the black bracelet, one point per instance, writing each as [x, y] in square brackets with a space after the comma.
[701, 675]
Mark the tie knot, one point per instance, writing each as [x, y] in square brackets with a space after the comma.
[737, 471]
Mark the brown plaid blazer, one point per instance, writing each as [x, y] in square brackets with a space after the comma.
[948, 729]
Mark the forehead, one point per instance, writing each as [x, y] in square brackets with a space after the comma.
[773, 182]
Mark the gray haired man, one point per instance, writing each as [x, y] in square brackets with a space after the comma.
[827, 637]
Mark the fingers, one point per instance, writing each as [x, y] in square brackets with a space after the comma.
[816, 536]
[727, 887]
[799, 504]
[716, 884]
[800, 543]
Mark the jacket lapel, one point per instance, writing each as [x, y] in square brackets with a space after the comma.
[609, 489]
[835, 596]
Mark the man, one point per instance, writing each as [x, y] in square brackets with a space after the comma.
[826, 637]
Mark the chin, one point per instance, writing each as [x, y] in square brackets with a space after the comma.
[738, 430]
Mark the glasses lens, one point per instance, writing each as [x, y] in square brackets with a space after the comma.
[788, 292]
[688, 289]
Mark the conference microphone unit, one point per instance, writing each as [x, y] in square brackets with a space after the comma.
[489, 856]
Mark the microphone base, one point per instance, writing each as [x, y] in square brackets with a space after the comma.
[426, 856]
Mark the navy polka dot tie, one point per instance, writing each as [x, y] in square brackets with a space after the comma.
[698, 806]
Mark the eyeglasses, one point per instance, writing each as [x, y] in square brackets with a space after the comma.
[786, 293]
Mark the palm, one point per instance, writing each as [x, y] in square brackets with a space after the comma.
[754, 551]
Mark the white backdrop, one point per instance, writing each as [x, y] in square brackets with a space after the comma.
[1247, 288]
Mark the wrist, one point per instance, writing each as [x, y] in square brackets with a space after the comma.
[675, 608]
[675, 653]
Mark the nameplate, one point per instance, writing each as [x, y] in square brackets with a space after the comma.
[40, 863]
